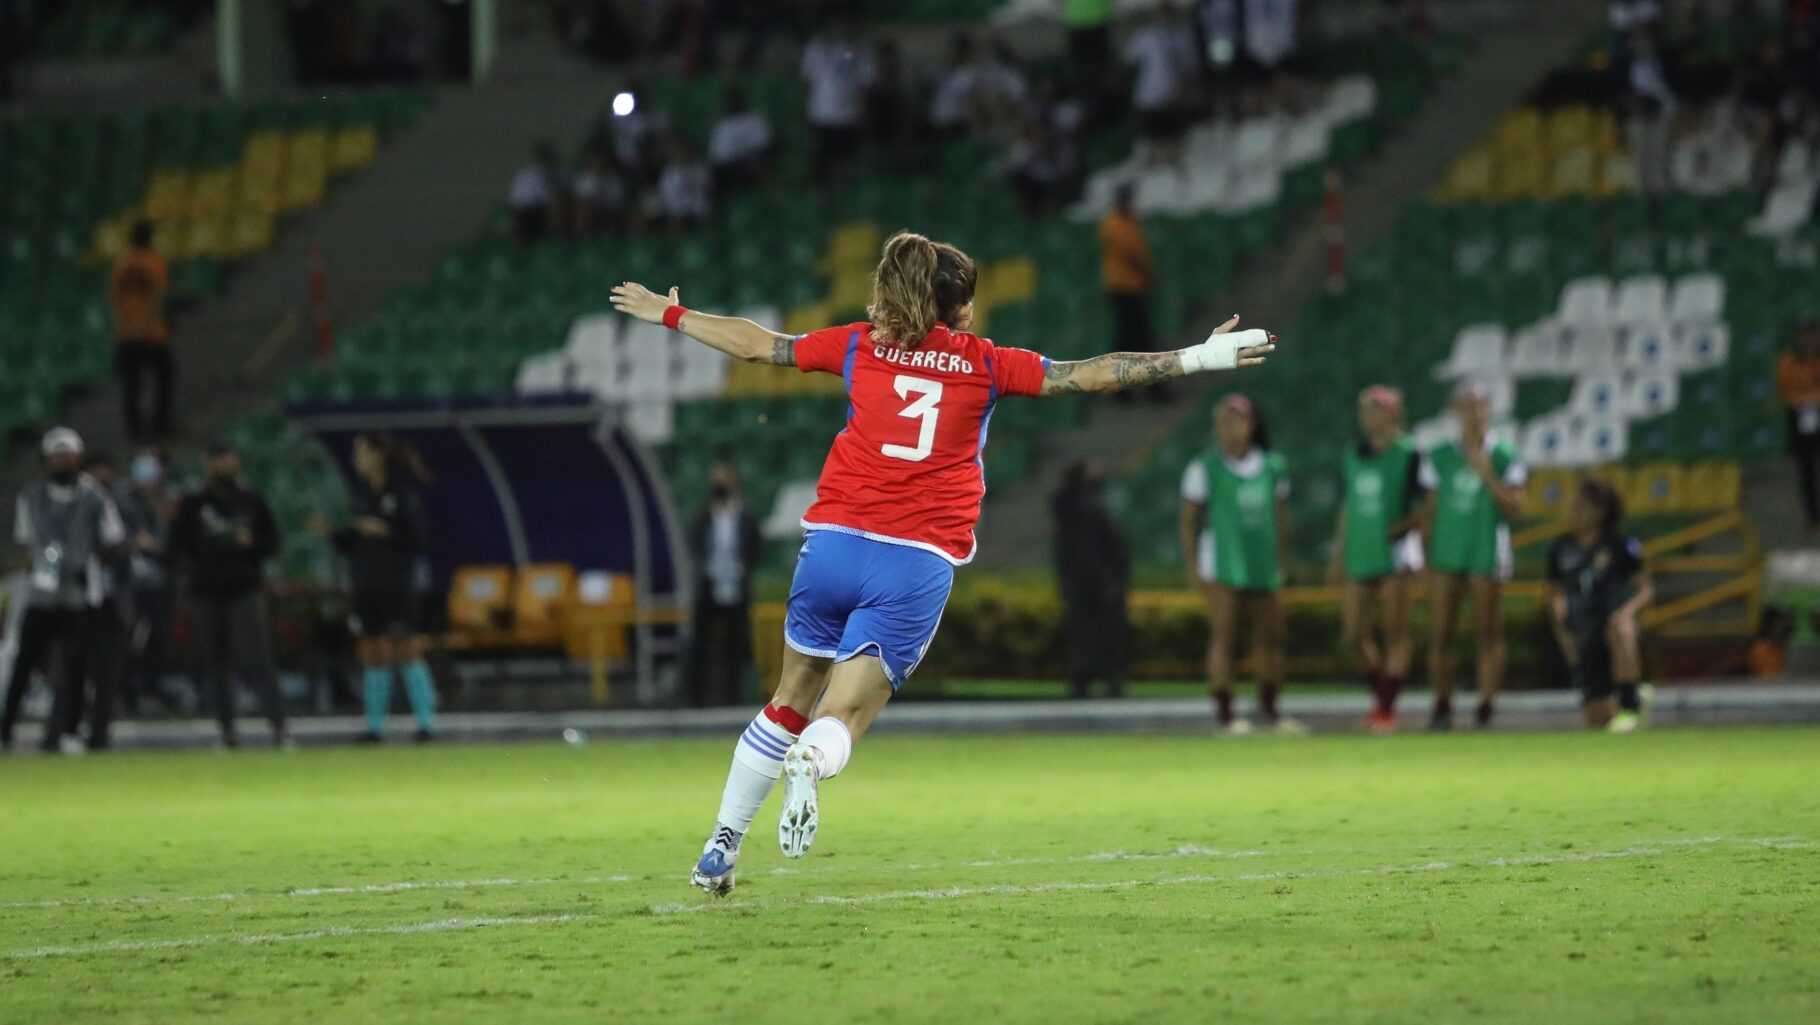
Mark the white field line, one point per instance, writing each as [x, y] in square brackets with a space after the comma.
[950, 893]
[1184, 851]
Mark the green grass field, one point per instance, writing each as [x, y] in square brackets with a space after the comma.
[1666, 877]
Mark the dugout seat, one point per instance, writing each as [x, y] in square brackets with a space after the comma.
[602, 610]
[542, 599]
[480, 601]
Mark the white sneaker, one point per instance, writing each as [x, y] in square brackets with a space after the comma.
[1290, 727]
[802, 808]
[1236, 728]
[71, 746]
[714, 872]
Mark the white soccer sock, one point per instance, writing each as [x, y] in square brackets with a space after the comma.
[758, 761]
[829, 738]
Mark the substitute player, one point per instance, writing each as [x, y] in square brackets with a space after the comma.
[382, 541]
[895, 506]
[1475, 488]
[1234, 525]
[1377, 549]
[1597, 585]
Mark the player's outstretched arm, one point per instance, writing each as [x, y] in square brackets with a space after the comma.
[735, 336]
[1224, 349]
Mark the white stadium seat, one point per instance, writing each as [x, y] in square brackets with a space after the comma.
[1545, 441]
[1645, 346]
[1600, 440]
[1701, 346]
[1641, 299]
[785, 521]
[1479, 350]
[1535, 351]
[1787, 208]
[1596, 394]
[649, 420]
[1651, 394]
[1350, 99]
[1305, 142]
[1591, 349]
[1586, 301]
[1698, 299]
[544, 372]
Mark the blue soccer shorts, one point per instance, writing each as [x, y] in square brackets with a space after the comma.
[853, 595]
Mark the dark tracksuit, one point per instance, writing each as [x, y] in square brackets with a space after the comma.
[1596, 579]
[721, 647]
[382, 571]
[223, 535]
[67, 528]
[1095, 569]
[148, 624]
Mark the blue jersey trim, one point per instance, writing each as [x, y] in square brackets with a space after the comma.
[846, 369]
[979, 454]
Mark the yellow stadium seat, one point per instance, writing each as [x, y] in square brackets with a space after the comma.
[309, 148]
[208, 237]
[1470, 176]
[541, 602]
[251, 232]
[1568, 128]
[1654, 488]
[264, 153]
[1519, 175]
[303, 186]
[603, 607]
[1549, 493]
[1519, 131]
[1007, 281]
[167, 195]
[353, 147]
[852, 246]
[1712, 487]
[213, 191]
[480, 601]
[112, 236]
[805, 319]
[850, 290]
[1617, 173]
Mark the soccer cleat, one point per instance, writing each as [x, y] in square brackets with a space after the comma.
[714, 872]
[1381, 722]
[1289, 726]
[1440, 722]
[1236, 728]
[802, 807]
[1624, 722]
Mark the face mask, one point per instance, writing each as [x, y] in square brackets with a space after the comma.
[720, 492]
[146, 470]
[63, 476]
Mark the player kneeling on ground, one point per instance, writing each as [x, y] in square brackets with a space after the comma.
[1235, 522]
[895, 506]
[1591, 572]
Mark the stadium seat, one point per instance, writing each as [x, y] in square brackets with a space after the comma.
[1586, 302]
[1650, 394]
[597, 621]
[542, 597]
[1698, 347]
[1698, 299]
[480, 598]
[1479, 351]
[1597, 394]
[1641, 300]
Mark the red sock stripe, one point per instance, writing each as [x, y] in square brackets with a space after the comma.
[788, 718]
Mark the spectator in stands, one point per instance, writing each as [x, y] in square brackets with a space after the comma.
[1798, 382]
[536, 196]
[146, 505]
[1161, 51]
[65, 523]
[1128, 275]
[1626, 16]
[222, 535]
[108, 621]
[838, 72]
[999, 90]
[1094, 568]
[685, 189]
[603, 195]
[1270, 30]
[142, 336]
[1039, 168]
[951, 105]
[637, 130]
[739, 148]
[727, 545]
[1090, 45]
[891, 109]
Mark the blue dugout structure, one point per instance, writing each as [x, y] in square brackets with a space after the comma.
[519, 480]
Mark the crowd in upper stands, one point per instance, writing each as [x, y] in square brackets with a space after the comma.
[1729, 80]
[1157, 72]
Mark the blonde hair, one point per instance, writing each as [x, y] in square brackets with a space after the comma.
[918, 282]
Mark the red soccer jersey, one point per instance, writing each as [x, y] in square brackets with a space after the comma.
[907, 468]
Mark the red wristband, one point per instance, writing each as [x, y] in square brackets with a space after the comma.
[673, 316]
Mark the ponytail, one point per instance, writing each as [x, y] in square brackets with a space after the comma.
[918, 283]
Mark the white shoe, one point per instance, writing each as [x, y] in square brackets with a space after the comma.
[1290, 727]
[1236, 728]
[71, 746]
[802, 808]
[714, 872]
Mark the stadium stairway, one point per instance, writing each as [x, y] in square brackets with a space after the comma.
[388, 225]
[1512, 45]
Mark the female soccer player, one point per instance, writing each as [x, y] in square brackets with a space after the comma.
[1235, 522]
[1475, 488]
[1377, 550]
[895, 506]
[1590, 570]
[381, 542]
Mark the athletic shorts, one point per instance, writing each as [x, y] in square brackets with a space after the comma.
[853, 595]
[1593, 675]
[383, 612]
[1406, 556]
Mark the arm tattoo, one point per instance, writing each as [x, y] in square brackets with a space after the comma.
[783, 350]
[1115, 371]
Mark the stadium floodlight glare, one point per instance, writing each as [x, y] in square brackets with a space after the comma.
[623, 104]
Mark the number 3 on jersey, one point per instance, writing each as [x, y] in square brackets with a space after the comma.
[928, 394]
